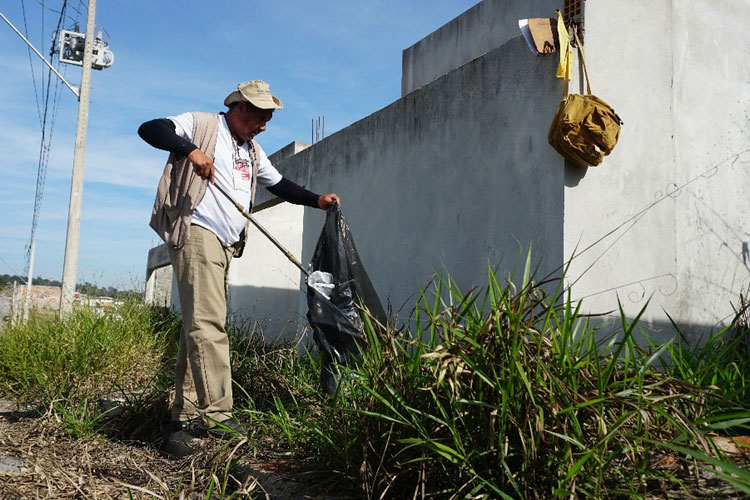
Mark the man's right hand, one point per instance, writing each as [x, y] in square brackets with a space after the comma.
[202, 164]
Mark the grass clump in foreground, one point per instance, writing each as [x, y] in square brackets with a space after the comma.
[503, 395]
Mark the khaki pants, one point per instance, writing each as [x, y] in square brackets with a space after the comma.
[203, 383]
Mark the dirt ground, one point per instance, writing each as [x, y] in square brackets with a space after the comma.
[38, 460]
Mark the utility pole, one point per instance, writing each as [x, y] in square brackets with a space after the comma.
[14, 304]
[70, 266]
[95, 54]
[27, 299]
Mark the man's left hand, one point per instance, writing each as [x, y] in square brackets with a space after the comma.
[328, 200]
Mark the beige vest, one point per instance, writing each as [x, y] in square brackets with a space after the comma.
[180, 189]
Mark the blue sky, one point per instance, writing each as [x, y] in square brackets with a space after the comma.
[338, 59]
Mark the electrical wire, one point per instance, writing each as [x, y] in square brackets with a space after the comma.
[67, 16]
[77, 10]
[31, 63]
[15, 273]
[45, 143]
[41, 44]
[73, 20]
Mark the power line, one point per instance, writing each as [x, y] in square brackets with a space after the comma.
[15, 273]
[41, 41]
[67, 16]
[31, 63]
[45, 145]
[77, 10]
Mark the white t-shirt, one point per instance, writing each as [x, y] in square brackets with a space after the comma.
[233, 174]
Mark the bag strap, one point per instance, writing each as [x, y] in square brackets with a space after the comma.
[566, 83]
[583, 59]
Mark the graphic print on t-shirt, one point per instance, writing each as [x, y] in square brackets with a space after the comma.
[242, 174]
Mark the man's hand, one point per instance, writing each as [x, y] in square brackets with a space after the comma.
[327, 200]
[202, 164]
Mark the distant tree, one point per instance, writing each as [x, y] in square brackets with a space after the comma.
[8, 279]
[90, 289]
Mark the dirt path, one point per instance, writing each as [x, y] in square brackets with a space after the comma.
[38, 460]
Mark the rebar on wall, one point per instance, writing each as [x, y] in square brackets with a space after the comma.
[318, 129]
[573, 11]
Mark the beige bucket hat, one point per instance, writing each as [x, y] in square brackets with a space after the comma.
[255, 92]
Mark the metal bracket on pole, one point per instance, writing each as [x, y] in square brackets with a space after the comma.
[72, 88]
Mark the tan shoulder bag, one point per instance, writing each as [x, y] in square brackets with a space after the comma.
[585, 129]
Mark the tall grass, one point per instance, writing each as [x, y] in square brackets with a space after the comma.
[84, 355]
[500, 393]
[275, 387]
[507, 394]
[722, 360]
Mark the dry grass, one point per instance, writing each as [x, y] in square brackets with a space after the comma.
[55, 466]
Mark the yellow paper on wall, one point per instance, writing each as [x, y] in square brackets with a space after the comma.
[565, 68]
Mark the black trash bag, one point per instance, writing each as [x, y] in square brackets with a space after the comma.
[336, 322]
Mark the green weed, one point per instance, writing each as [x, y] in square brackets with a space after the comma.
[498, 393]
[506, 394]
[78, 420]
[722, 361]
[64, 366]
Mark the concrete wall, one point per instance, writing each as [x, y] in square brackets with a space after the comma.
[666, 215]
[159, 286]
[480, 29]
[161, 292]
[265, 287]
[455, 176]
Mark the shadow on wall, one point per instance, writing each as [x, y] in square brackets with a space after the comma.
[456, 175]
[657, 333]
[574, 174]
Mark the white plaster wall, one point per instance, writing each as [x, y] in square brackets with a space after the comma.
[711, 64]
[160, 292]
[480, 29]
[158, 277]
[656, 221]
[264, 285]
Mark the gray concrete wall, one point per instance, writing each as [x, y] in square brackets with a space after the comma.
[665, 217]
[455, 176]
[160, 293]
[480, 29]
[158, 290]
[265, 286]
